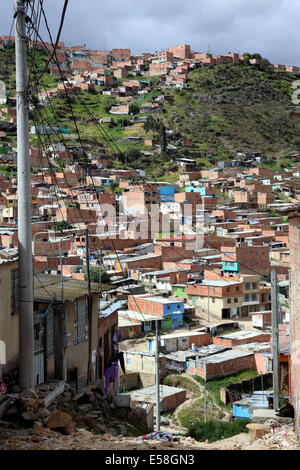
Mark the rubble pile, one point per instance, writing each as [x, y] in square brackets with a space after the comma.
[56, 417]
[59, 408]
[40, 438]
[279, 437]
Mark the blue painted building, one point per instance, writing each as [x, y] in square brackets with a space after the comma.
[170, 311]
[192, 189]
[167, 193]
[230, 266]
[244, 408]
[241, 409]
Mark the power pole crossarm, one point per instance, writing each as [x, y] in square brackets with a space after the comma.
[26, 346]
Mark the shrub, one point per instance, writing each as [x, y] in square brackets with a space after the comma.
[216, 430]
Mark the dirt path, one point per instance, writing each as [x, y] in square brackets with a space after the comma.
[191, 401]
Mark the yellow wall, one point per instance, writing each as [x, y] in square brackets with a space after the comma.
[9, 324]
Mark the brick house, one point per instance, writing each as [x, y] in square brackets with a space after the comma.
[170, 310]
[182, 52]
[50, 360]
[248, 258]
[223, 298]
[241, 337]
[222, 364]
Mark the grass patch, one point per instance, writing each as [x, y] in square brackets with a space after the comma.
[216, 430]
[182, 382]
[213, 386]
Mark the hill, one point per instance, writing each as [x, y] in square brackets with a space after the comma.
[235, 107]
[225, 109]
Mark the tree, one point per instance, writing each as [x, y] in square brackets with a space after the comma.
[134, 108]
[163, 137]
[246, 56]
[95, 274]
[60, 226]
[150, 124]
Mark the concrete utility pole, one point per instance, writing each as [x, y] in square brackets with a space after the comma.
[205, 405]
[90, 316]
[275, 339]
[26, 346]
[157, 378]
[208, 300]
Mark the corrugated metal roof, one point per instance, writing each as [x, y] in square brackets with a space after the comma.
[8, 255]
[241, 334]
[46, 287]
[223, 357]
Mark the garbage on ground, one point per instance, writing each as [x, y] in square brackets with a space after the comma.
[159, 436]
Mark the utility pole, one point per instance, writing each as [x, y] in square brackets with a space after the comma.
[205, 405]
[26, 346]
[157, 377]
[275, 339]
[90, 316]
[208, 306]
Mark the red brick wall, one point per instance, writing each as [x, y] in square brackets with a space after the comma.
[229, 343]
[145, 306]
[222, 369]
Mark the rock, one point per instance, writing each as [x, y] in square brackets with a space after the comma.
[44, 388]
[85, 433]
[11, 413]
[85, 408]
[256, 431]
[29, 404]
[38, 427]
[28, 418]
[271, 424]
[43, 413]
[67, 396]
[61, 422]
[69, 429]
[122, 401]
[85, 398]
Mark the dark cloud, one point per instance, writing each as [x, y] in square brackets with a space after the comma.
[266, 26]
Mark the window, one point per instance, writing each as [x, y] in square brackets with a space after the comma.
[237, 288]
[213, 300]
[254, 285]
[81, 324]
[228, 289]
[14, 294]
[229, 301]
[178, 306]
[168, 307]
[247, 298]
[254, 297]
[236, 301]
[247, 286]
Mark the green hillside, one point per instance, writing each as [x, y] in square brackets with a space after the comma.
[225, 109]
[235, 107]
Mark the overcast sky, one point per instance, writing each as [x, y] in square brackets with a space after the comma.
[270, 27]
